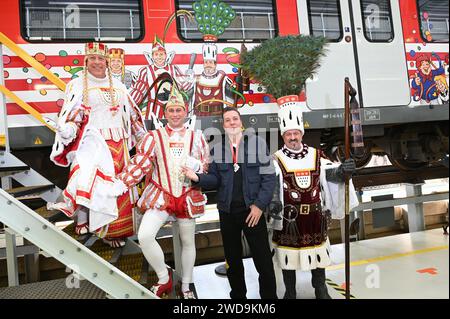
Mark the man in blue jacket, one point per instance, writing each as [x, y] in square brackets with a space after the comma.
[243, 172]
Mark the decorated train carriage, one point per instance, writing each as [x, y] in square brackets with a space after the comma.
[395, 54]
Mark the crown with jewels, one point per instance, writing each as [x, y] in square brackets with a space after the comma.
[96, 48]
[116, 53]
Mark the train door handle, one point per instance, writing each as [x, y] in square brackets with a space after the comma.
[348, 39]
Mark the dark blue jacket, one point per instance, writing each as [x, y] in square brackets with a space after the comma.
[258, 172]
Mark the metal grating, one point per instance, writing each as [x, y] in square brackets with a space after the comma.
[52, 289]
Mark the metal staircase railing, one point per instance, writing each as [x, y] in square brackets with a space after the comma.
[24, 221]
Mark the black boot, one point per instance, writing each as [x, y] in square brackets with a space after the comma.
[290, 281]
[318, 282]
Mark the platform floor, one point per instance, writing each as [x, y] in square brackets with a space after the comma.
[406, 266]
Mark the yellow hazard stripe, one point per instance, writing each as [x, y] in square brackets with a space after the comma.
[338, 288]
[24, 106]
[382, 258]
[32, 62]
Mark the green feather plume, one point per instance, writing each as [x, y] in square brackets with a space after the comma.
[213, 16]
[283, 64]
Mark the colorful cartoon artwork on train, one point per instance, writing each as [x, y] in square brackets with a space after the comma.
[146, 92]
[118, 70]
[430, 82]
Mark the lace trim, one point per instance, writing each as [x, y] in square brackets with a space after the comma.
[295, 155]
[114, 133]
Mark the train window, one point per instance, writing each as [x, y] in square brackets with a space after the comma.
[433, 16]
[377, 18]
[325, 19]
[81, 21]
[255, 21]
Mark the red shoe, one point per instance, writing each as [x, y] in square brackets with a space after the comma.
[187, 295]
[82, 229]
[162, 289]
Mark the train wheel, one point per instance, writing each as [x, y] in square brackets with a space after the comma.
[361, 160]
[406, 165]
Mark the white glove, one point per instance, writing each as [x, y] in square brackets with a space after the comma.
[66, 131]
[193, 163]
[190, 75]
[118, 188]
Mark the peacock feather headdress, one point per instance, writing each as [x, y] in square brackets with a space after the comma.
[212, 17]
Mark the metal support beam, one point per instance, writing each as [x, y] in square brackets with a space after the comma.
[31, 262]
[416, 219]
[11, 258]
[362, 223]
[415, 199]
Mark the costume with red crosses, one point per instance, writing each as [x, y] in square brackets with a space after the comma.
[97, 127]
[300, 238]
[168, 195]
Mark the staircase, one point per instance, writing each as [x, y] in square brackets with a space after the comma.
[119, 273]
[94, 267]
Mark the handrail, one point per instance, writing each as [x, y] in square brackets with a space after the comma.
[25, 106]
[32, 62]
[68, 251]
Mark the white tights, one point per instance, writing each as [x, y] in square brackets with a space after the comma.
[152, 221]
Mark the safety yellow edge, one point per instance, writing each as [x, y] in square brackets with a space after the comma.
[38, 67]
[32, 62]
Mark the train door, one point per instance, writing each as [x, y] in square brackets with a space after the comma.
[366, 45]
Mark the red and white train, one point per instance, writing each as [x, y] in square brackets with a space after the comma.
[395, 53]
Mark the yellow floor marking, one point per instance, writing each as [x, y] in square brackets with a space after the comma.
[382, 258]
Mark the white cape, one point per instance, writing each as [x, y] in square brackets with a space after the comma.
[333, 194]
[95, 161]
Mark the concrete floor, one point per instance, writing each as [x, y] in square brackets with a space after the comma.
[411, 266]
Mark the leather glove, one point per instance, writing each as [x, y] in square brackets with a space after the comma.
[337, 175]
[348, 167]
[274, 210]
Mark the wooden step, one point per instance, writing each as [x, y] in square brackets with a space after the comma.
[10, 170]
[18, 192]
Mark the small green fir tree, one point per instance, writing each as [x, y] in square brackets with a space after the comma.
[283, 64]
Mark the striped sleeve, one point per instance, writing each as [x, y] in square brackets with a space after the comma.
[141, 163]
[140, 88]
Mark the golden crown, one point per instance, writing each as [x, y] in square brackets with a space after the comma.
[96, 48]
[116, 53]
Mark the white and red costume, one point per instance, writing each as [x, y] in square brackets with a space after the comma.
[98, 150]
[148, 75]
[169, 195]
[162, 153]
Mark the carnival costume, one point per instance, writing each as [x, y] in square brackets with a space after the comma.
[300, 236]
[168, 195]
[97, 126]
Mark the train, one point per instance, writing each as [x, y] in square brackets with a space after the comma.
[394, 53]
